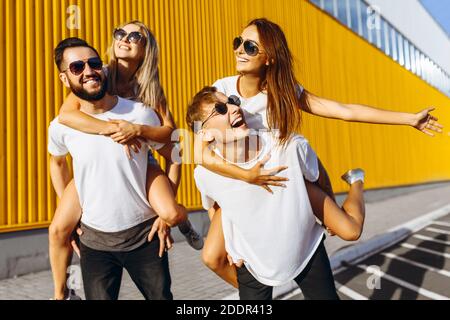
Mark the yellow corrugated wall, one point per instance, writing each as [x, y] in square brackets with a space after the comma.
[195, 38]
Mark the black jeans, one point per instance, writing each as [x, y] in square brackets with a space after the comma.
[316, 281]
[102, 272]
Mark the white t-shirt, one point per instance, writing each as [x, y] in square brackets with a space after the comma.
[111, 187]
[255, 108]
[276, 235]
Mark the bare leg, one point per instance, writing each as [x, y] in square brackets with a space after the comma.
[161, 197]
[66, 218]
[347, 222]
[354, 203]
[214, 255]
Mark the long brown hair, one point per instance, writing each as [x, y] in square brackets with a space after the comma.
[283, 100]
[149, 89]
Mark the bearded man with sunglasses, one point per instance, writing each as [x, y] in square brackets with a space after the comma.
[112, 188]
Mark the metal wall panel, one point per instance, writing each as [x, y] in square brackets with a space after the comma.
[195, 38]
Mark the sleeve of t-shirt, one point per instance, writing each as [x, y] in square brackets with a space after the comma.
[308, 160]
[56, 146]
[151, 119]
[220, 85]
[207, 201]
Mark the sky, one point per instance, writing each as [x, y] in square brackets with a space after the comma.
[440, 10]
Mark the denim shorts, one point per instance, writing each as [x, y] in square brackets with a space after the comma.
[151, 159]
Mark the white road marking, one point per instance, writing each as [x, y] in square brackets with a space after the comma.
[422, 237]
[292, 294]
[422, 291]
[417, 264]
[436, 230]
[410, 246]
[441, 223]
[341, 288]
[349, 292]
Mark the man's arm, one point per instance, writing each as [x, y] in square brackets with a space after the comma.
[59, 173]
[324, 182]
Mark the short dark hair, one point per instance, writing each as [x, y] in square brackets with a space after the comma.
[195, 110]
[69, 43]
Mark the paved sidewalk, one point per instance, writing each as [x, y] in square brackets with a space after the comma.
[191, 280]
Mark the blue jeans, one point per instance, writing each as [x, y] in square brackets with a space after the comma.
[151, 159]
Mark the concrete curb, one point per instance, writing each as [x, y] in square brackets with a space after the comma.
[363, 250]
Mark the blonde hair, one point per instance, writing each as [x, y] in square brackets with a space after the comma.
[149, 89]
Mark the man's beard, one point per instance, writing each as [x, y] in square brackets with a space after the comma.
[84, 95]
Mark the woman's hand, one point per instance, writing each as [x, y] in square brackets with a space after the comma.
[116, 131]
[425, 122]
[238, 264]
[265, 178]
[125, 131]
[133, 144]
[75, 240]
[165, 239]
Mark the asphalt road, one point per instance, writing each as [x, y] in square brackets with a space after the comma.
[417, 268]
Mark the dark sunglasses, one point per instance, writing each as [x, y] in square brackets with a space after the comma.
[132, 37]
[77, 67]
[222, 108]
[250, 47]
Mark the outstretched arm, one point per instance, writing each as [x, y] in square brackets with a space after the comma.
[422, 121]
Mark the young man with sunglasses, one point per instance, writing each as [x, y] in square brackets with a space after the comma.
[276, 235]
[116, 216]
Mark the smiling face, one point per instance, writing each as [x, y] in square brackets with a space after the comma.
[246, 64]
[228, 127]
[90, 84]
[127, 50]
